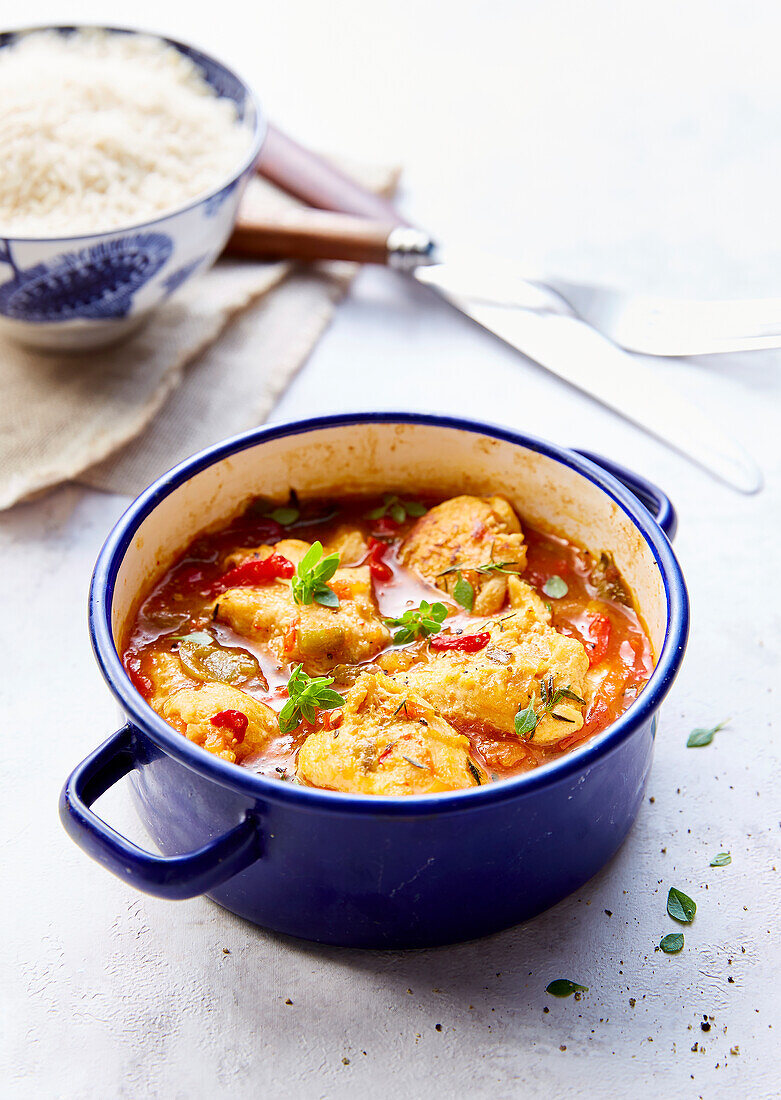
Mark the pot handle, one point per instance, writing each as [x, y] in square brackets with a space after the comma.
[650, 496]
[175, 877]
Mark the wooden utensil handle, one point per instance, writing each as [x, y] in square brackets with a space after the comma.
[310, 235]
[310, 178]
[320, 235]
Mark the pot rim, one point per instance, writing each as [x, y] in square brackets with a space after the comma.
[233, 776]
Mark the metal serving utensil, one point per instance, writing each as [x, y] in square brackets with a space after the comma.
[656, 325]
[537, 319]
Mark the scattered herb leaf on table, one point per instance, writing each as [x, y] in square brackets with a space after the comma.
[700, 737]
[680, 906]
[563, 987]
[672, 944]
[721, 859]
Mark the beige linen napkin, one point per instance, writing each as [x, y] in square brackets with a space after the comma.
[210, 363]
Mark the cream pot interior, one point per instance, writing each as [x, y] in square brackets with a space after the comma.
[371, 457]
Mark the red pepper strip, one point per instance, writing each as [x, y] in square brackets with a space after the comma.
[289, 639]
[232, 720]
[596, 718]
[465, 643]
[257, 571]
[599, 629]
[379, 569]
[385, 527]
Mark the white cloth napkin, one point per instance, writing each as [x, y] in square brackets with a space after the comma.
[210, 363]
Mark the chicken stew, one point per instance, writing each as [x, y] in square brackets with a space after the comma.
[388, 646]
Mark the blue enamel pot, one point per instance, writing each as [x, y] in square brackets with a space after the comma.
[357, 870]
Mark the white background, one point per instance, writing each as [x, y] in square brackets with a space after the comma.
[632, 143]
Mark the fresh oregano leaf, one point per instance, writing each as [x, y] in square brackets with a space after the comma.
[418, 622]
[325, 596]
[463, 592]
[700, 737]
[526, 722]
[398, 509]
[721, 859]
[555, 587]
[306, 695]
[680, 906]
[672, 944]
[563, 987]
[284, 516]
[309, 581]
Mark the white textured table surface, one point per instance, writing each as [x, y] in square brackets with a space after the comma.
[633, 144]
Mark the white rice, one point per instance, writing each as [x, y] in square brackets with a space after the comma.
[99, 131]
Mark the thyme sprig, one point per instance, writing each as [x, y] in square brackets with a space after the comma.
[486, 567]
[527, 719]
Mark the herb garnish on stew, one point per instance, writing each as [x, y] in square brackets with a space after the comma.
[307, 695]
[486, 567]
[555, 587]
[418, 622]
[463, 592]
[309, 582]
[526, 720]
[396, 508]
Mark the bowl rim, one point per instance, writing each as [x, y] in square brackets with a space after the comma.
[260, 129]
[233, 776]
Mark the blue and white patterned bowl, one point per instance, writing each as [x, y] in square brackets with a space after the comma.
[77, 293]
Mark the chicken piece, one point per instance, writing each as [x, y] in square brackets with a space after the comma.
[525, 602]
[318, 637]
[463, 533]
[191, 709]
[525, 660]
[349, 544]
[167, 676]
[390, 742]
